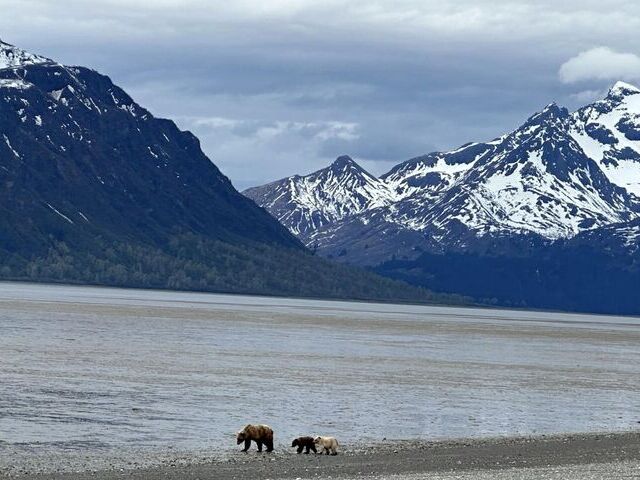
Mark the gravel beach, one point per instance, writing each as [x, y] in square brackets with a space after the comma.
[588, 456]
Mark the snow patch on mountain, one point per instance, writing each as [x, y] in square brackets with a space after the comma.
[13, 57]
[17, 83]
[430, 174]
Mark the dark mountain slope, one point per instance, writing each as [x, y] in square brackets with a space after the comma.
[94, 189]
[597, 271]
[78, 157]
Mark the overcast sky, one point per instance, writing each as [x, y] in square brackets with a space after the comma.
[277, 87]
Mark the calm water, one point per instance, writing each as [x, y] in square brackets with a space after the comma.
[94, 370]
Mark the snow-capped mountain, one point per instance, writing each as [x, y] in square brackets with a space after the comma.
[609, 132]
[305, 204]
[79, 159]
[557, 175]
[537, 180]
[95, 189]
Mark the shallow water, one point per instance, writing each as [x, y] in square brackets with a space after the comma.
[97, 370]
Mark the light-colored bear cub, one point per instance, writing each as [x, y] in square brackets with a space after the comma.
[328, 444]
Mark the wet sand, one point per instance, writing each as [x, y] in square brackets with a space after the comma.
[588, 456]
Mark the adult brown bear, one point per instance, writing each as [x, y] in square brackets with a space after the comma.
[261, 434]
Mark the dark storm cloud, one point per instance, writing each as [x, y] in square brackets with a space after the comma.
[283, 86]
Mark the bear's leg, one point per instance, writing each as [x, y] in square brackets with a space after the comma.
[269, 444]
[326, 450]
[307, 450]
[333, 451]
[313, 447]
[247, 444]
[259, 442]
[300, 447]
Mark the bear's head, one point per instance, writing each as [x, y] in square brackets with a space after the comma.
[295, 443]
[245, 433]
[317, 440]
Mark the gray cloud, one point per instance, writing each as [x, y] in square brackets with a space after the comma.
[282, 86]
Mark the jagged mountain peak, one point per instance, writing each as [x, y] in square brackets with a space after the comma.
[622, 89]
[551, 113]
[306, 203]
[552, 107]
[620, 95]
[538, 180]
[14, 57]
[344, 161]
[547, 127]
[346, 169]
[345, 165]
[609, 133]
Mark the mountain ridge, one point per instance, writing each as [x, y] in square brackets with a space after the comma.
[545, 216]
[321, 197]
[95, 189]
[540, 181]
[118, 148]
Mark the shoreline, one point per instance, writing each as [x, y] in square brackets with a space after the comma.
[466, 305]
[396, 459]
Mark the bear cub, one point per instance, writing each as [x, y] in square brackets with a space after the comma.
[327, 445]
[304, 443]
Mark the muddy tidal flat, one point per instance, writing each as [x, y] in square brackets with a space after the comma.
[103, 380]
